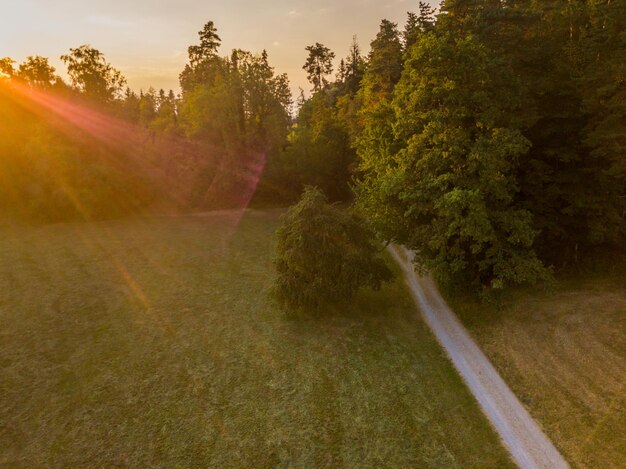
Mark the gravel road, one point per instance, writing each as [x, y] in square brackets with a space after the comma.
[528, 445]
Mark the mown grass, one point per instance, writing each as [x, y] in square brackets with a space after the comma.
[150, 343]
[564, 354]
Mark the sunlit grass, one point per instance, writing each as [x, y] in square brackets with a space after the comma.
[564, 355]
[150, 343]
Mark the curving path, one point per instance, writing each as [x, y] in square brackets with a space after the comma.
[528, 445]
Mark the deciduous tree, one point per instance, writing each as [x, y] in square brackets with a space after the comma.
[324, 255]
[92, 75]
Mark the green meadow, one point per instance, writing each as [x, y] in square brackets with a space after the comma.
[563, 353]
[151, 343]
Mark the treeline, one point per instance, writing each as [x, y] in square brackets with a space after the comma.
[490, 138]
[93, 148]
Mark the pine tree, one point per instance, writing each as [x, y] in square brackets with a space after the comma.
[209, 44]
[355, 67]
[384, 65]
[205, 66]
[318, 65]
[374, 138]
[418, 24]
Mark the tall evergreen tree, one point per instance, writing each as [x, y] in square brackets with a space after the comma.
[208, 47]
[355, 67]
[204, 66]
[318, 65]
[374, 132]
[418, 24]
[384, 65]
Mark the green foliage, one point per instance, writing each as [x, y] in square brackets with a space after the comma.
[324, 255]
[454, 176]
[47, 175]
[603, 89]
[371, 124]
[354, 68]
[209, 44]
[318, 64]
[318, 153]
[90, 73]
[320, 146]
[166, 118]
[7, 69]
[36, 71]
[147, 106]
[418, 24]
[234, 103]
[205, 112]
[384, 65]
[150, 343]
[567, 56]
[493, 162]
[500, 151]
[265, 100]
[204, 62]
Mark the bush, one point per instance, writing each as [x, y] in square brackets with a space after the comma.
[324, 255]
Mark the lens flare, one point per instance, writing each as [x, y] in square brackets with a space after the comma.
[172, 164]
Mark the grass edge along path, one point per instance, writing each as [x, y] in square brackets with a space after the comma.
[562, 350]
[528, 445]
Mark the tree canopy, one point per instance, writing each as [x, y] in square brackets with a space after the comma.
[318, 65]
[488, 137]
[324, 255]
[90, 73]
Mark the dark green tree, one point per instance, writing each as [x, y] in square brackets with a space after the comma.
[37, 71]
[602, 86]
[208, 47]
[324, 255]
[418, 24]
[318, 65]
[166, 119]
[147, 106]
[450, 191]
[318, 151]
[354, 68]
[372, 131]
[130, 106]
[384, 65]
[266, 101]
[6, 67]
[92, 75]
[204, 66]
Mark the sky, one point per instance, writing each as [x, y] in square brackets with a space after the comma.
[147, 39]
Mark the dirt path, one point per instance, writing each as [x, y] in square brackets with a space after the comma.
[528, 445]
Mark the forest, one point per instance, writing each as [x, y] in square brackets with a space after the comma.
[489, 136]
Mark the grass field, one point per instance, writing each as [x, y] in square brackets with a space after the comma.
[564, 355]
[150, 343]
